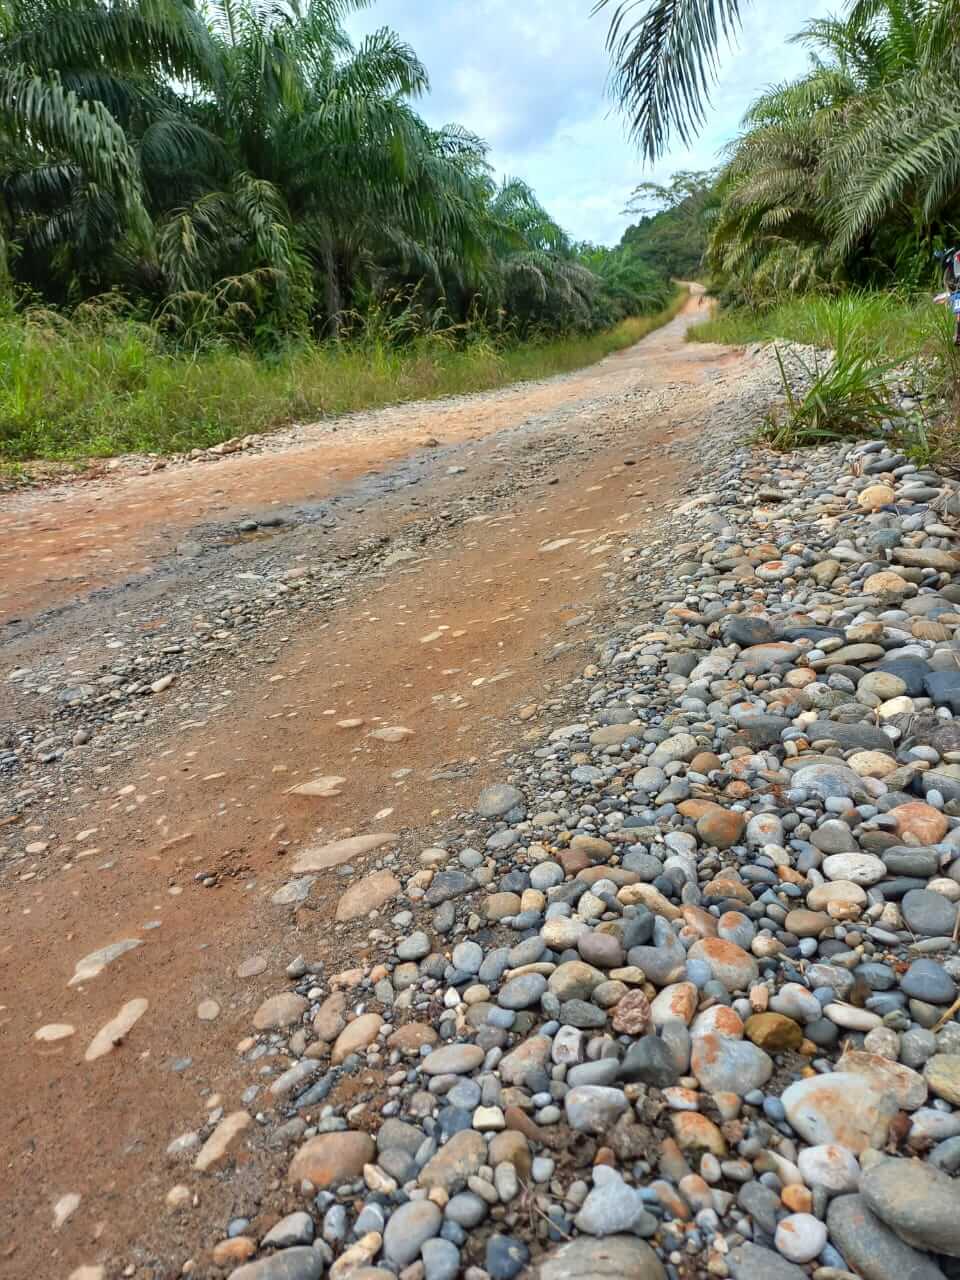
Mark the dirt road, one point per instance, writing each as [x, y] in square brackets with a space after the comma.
[181, 648]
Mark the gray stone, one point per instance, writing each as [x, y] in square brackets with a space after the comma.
[902, 861]
[452, 1059]
[731, 1066]
[522, 992]
[603, 1071]
[912, 671]
[441, 1259]
[613, 1207]
[505, 1257]
[831, 780]
[398, 1135]
[763, 1205]
[408, 1228]
[763, 731]
[495, 962]
[295, 1228]
[944, 688]
[650, 1061]
[291, 1264]
[415, 947]
[662, 964]
[929, 915]
[861, 737]
[468, 956]
[446, 885]
[746, 631]
[875, 1251]
[467, 1209]
[497, 800]
[752, 1262]
[927, 980]
[545, 875]
[580, 1013]
[921, 1204]
[614, 1258]
[594, 1108]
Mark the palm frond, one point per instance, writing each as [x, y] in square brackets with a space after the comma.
[665, 63]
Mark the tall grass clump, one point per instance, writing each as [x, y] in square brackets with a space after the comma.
[880, 334]
[101, 383]
[892, 325]
[845, 395]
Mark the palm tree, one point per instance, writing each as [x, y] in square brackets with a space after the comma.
[665, 53]
[75, 75]
[305, 134]
[242, 167]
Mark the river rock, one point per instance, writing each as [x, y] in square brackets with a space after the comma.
[927, 980]
[728, 963]
[753, 1262]
[872, 1248]
[355, 1036]
[942, 1074]
[594, 1108]
[455, 1162]
[277, 1012]
[729, 1066]
[916, 1200]
[368, 895]
[842, 1108]
[452, 1059]
[299, 1263]
[332, 1158]
[857, 868]
[497, 800]
[409, 1227]
[614, 1258]
[830, 1166]
[929, 915]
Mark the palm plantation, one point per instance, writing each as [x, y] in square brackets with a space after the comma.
[848, 175]
[245, 169]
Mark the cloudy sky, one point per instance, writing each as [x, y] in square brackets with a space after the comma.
[529, 76]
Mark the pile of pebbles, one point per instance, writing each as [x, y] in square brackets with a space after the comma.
[679, 999]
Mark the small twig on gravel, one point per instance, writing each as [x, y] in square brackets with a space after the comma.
[532, 1204]
[945, 1017]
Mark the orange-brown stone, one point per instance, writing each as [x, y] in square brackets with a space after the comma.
[332, 1158]
[631, 1014]
[919, 823]
[696, 1132]
[410, 1037]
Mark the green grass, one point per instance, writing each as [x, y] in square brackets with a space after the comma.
[846, 395]
[877, 333]
[71, 390]
[886, 324]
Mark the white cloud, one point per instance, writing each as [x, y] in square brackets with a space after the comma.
[529, 76]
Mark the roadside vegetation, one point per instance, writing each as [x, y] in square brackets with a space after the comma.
[864, 342]
[822, 224]
[102, 384]
[215, 218]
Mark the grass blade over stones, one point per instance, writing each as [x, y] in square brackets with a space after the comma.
[844, 394]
